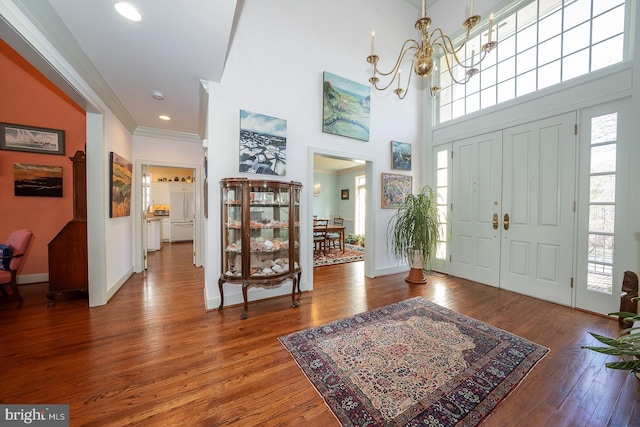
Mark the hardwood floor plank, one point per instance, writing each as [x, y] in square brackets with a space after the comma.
[153, 356]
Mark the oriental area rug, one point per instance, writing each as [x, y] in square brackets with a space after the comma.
[335, 256]
[412, 363]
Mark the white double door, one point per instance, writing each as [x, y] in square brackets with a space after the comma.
[513, 211]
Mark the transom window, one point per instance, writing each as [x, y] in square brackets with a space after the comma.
[540, 44]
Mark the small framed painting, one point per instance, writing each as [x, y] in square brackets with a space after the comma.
[344, 194]
[395, 189]
[400, 155]
[31, 139]
[37, 180]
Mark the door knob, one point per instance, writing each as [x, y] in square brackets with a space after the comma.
[506, 221]
[495, 221]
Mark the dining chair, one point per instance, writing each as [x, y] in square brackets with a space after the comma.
[320, 235]
[333, 237]
[11, 259]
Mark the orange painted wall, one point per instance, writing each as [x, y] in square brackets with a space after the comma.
[28, 98]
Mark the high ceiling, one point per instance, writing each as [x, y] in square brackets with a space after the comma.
[175, 46]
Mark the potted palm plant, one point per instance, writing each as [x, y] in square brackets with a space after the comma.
[627, 345]
[413, 233]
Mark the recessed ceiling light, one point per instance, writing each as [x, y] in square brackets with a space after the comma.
[128, 11]
[164, 117]
[156, 94]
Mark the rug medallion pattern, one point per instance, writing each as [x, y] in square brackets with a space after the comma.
[412, 363]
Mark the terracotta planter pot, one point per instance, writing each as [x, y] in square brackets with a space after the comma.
[416, 275]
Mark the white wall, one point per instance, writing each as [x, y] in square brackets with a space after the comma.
[325, 205]
[329, 203]
[118, 231]
[274, 67]
[347, 208]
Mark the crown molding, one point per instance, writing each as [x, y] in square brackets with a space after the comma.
[167, 134]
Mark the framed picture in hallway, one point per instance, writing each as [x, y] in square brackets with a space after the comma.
[400, 155]
[31, 139]
[120, 194]
[395, 189]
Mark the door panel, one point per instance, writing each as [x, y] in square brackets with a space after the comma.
[538, 195]
[475, 248]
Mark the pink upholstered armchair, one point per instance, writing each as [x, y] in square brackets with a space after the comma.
[18, 241]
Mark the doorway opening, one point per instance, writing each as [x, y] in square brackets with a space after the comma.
[169, 210]
[340, 189]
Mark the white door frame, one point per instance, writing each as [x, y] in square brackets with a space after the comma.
[371, 202]
[138, 264]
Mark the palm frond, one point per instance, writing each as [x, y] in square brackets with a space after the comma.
[415, 227]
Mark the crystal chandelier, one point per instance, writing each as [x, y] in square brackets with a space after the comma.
[423, 54]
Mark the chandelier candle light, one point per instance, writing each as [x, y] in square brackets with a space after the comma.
[423, 53]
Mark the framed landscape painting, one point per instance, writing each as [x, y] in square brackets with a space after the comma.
[263, 144]
[120, 194]
[345, 107]
[37, 180]
[395, 188]
[400, 156]
[31, 139]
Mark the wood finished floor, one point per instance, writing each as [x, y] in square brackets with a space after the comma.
[153, 356]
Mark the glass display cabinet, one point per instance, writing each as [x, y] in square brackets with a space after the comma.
[260, 235]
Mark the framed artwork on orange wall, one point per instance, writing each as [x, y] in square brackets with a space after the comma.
[31, 139]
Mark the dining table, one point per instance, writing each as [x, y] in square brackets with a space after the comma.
[331, 228]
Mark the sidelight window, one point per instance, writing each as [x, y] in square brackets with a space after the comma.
[602, 202]
[442, 192]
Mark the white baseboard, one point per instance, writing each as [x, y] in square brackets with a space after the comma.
[116, 286]
[392, 270]
[25, 279]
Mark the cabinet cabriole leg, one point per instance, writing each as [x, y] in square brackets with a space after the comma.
[220, 283]
[294, 279]
[246, 302]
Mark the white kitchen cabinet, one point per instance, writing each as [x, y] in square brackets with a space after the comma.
[166, 230]
[185, 187]
[160, 193]
[153, 235]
